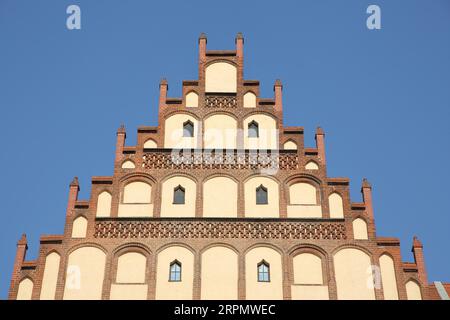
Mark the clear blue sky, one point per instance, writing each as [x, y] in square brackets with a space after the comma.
[382, 97]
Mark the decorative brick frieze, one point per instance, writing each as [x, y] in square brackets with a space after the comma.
[216, 229]
[220, 101]
[167, 159]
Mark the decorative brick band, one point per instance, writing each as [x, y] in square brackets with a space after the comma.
[216, 101]
[219, 160]
[111, 228]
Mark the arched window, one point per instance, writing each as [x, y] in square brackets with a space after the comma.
[253, 129]
[175, 271]
[261, 195]
[263, 272]
[188, 129]
[178, 195]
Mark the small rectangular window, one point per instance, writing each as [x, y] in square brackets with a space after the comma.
[175, 271]
[261, 195]
[263, 272]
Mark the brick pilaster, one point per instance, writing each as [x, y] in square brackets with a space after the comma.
[21, 252]
[320, 143]
[120, 143]
[417, 250]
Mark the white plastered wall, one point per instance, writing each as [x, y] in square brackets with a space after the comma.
[220, 77]
[130, 278]
[136, 200]
[85, 274]
[79, 227]
[311, 165]
[128, 165]
[308, 278]
[360, 229]
[175, 290]
[220, 132]
[307, 269]
[150, 144]
[388, 278]
[25, 290]
[192, 100]
[168, 208]
[303, 201]
[255, 290]
[173, 132]
[219, 274]
[336, 206]
[220, 196]
[353, 273]
[413, 291]
[249, 100]
[253, 210]
[50, 277]
[131, 268]
[268, 133]
[104, 204]
[290, 145]
[128, 292]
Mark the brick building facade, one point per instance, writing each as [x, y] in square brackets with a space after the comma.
[220, 201]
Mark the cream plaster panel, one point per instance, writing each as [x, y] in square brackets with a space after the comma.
[290, 145]
[219, 274]
[168, 209]
[336, 206]
[249, 100]
[359, 229]
[135, 210]
[128, 165]
[79, 227]
[353, 273]
[128, 292]
[25, 290]
[150, 144]
[192, 100]
[302, 193]
[85, 274]
[175, 290]
[413, 291]
[220, 196]
[137, 192]
[220, 77]
[270, 210]
[131, 268]
[311, 165]
[303, 292]
[104, 204]
[388, 278]
[307, 269]
[220, 132]
[268, 133]
[50, 277]
[304, 211]
[255, 290]
[173, 132]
